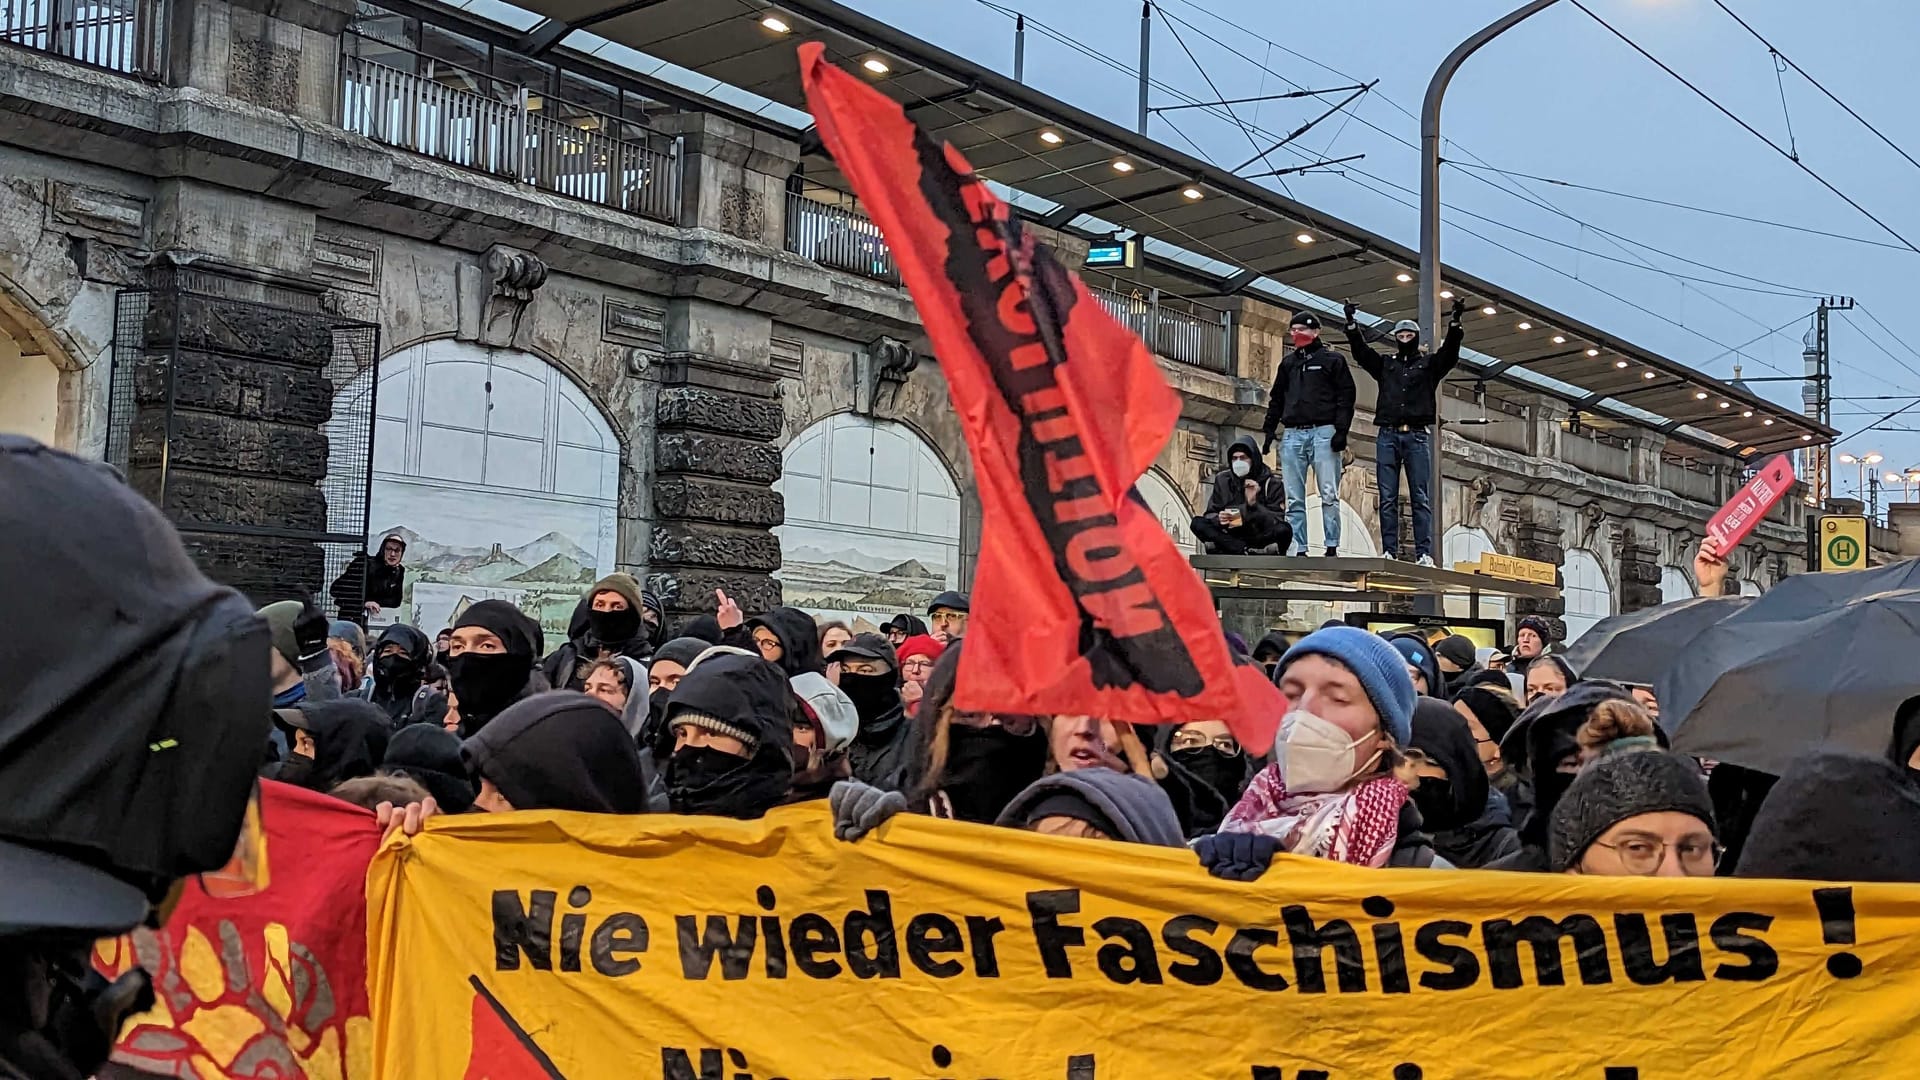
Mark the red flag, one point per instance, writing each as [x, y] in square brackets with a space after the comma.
[273, 984]
[1082, 604]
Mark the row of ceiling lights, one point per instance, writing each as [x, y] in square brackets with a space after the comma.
[1121, 165]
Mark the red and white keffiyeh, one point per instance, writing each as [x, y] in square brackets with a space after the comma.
[1358, 826]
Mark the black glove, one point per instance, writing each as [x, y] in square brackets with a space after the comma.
[859, 808]
[1339, 441]
[310, 630]
[1351, 311]
[1453, 313]
[1236, 856]
[1267, 446]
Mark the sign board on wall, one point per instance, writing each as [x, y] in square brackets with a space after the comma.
[1840, 542]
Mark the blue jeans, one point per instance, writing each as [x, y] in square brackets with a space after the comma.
[1301, 448]
[1408, 449]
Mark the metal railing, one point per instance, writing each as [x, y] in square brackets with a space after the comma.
[838, 237]
[1174, 327]
[128, 36]
[498, 129]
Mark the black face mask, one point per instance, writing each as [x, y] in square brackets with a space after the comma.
[397, 670]
[873, 696]
[702, 780]
[614, 627]
[295, 769]
[1221, 772]
[440, 657]
[987, 767]
[657, 736]
[1434, 799]
[485, 683]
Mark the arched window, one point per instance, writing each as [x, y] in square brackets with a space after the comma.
[1462, 544]
[1750, 587]
[502, 477]
[1171, 508]
[873, 521]
[1589, 598]
[1674, 584]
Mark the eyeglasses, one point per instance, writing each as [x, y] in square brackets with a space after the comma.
[1643, 855]
[917, 663]
[1194, 740]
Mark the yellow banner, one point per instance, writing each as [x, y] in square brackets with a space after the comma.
[586, 947]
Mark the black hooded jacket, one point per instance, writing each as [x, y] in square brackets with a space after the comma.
[1313, 387]
[560, 750]
[383, 586]
[1470, 822]
[1409, 379]
[799, 640]
[563, 668]
[431, 756]
[1230, 490]
[1544, 736]
[750, 695]
[395, 696]
[344, 731]
[523, 640]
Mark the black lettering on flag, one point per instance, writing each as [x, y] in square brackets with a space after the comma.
[516, 929]
[1503, 938]
[697, 950]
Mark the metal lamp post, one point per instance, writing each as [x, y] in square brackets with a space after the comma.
[1430, 214]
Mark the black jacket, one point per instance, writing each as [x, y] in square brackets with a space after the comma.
[1230, 490]
[382, 586]
[1409, 380]
[1313, 387]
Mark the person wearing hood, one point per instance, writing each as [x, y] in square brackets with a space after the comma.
[903, 626]
[1458, 660]
[1490, 712]
[1836, 816]
[1404, 413]
[329, 741]
[732, 737]
[370, 584]
[556, 750]
[621, 682]
[1313, 396]
[1204, 769]
[616, 620]
[1470, 822]
[430, 757]
[1544, 746]
[917, 656]
[490, 661]
[400, 658]
[1096, 804]
[1549, 677]
[1338, 782]
[130, 736]
[669, 666]
[1270, 649]
[948, 614]
[1422, 667]
[870, 676]
[1247, 507]
[1635, 815]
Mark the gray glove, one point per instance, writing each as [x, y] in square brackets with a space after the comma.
[859, 808]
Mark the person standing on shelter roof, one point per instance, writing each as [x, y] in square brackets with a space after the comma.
[1313, 396]
[1404, 413]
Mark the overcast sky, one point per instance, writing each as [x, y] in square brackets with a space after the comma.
[1560, 97]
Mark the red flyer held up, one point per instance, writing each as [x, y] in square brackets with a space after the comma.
[1751, 503]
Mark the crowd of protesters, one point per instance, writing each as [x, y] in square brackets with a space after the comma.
[1413, 749]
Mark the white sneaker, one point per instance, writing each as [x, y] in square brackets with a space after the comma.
[1424, 560]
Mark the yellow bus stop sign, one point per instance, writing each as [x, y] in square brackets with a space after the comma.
[1841, 542]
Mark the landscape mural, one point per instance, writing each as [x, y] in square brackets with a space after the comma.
[840, 574]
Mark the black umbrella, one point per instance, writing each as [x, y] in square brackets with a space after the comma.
[1763, 687]
[1639, 646]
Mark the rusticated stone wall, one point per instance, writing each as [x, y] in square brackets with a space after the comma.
[714, 463]
[229, 400]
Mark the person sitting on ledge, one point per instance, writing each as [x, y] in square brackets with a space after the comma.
[1246, 510]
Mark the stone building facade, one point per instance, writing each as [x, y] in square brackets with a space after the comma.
[557, 382]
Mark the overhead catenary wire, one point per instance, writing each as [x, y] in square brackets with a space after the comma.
[1755, 132]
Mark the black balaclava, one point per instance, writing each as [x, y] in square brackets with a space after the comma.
[657, 628]
[749, 695]
[613, 626]
[341, 747]
[1442, 734]
[1226, 774]
[987, 767]
[875, 697]
[486, 683]
[398, 677]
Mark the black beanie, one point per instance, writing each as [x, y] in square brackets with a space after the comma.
[1305, 318]
[1066, 803]
[1620, 786]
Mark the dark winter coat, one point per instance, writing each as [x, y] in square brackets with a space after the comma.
[1409, 379]
[1313, 387]
[1486, 839]
[396, 697]
[382, 583]
[1231, 491]
[799, 639]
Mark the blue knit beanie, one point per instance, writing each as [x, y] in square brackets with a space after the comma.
[1379, 667]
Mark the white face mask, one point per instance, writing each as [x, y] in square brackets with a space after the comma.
[1241, 466]
[1315, 756]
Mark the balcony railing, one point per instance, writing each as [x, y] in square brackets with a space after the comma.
[1174, 327]
[838, 237]
[128, 36]
[482, 123]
